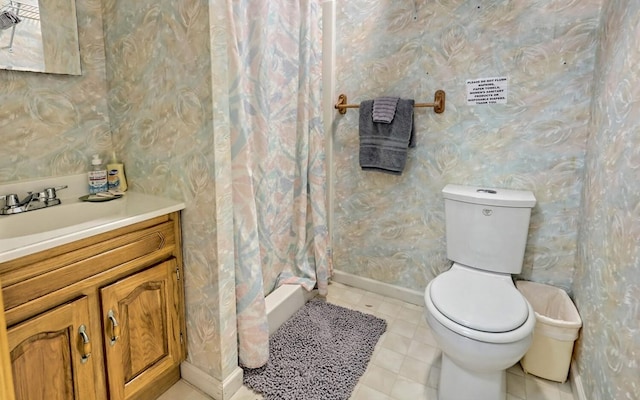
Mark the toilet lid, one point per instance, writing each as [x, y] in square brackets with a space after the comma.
[478, 301]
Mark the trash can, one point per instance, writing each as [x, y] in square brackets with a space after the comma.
[557, 326]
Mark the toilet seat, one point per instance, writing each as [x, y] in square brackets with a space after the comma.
[518, 333]
[479, 301]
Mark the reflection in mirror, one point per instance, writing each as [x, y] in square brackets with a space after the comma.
[39, 36]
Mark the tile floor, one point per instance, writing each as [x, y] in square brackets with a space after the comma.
[406, 362]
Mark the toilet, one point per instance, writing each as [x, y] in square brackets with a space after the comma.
[480, 320]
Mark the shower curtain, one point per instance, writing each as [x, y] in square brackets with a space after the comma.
[277, 153]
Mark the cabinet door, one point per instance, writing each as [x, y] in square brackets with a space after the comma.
[142, 330]
[6, 377]
[50, 355]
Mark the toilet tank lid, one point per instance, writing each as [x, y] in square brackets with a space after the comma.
[489, 196]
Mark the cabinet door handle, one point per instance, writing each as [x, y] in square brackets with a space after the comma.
[115, 328]
[86, 344]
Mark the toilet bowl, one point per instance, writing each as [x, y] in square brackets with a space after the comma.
[474, 361]
[479, 319]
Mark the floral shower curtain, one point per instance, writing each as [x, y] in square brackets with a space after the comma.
[277, 152]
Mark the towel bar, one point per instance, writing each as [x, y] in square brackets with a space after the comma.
[438, 103]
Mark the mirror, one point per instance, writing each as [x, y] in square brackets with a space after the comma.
[39, 36]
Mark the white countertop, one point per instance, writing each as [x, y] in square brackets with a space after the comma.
[33, 231]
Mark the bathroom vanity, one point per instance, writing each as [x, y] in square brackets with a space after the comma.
[97, 312]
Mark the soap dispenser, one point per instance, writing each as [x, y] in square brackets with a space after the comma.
[115, 171]
[97, 176]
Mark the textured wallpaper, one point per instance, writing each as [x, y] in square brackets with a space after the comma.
[50, 125]
[162, 98]
[607, 280]
[391, 228]
[161, 66]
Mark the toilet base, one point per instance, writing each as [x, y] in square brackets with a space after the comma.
[457, 383]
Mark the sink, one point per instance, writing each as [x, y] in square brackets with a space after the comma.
[57, 217]
[33, 231]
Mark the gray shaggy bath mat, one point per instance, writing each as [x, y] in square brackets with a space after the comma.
[318, 354]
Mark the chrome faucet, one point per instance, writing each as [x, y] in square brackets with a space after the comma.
[26, 202]
[33, 201]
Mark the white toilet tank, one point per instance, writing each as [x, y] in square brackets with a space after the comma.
[487, 228]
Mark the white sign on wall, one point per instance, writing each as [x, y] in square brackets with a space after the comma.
[487, 91]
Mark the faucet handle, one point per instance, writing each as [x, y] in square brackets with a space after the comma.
[51, 192]
[10, 200]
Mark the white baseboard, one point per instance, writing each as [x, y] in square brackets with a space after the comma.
[218, 390]
[381, 288]
[576, 383]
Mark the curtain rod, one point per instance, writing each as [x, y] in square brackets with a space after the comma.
[438, 103]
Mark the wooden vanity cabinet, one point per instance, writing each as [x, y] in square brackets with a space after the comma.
[101, 318]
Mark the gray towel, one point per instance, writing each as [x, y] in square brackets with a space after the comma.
[383, 147]
[384, 109]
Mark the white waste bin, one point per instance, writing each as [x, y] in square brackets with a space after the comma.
[557, 326]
